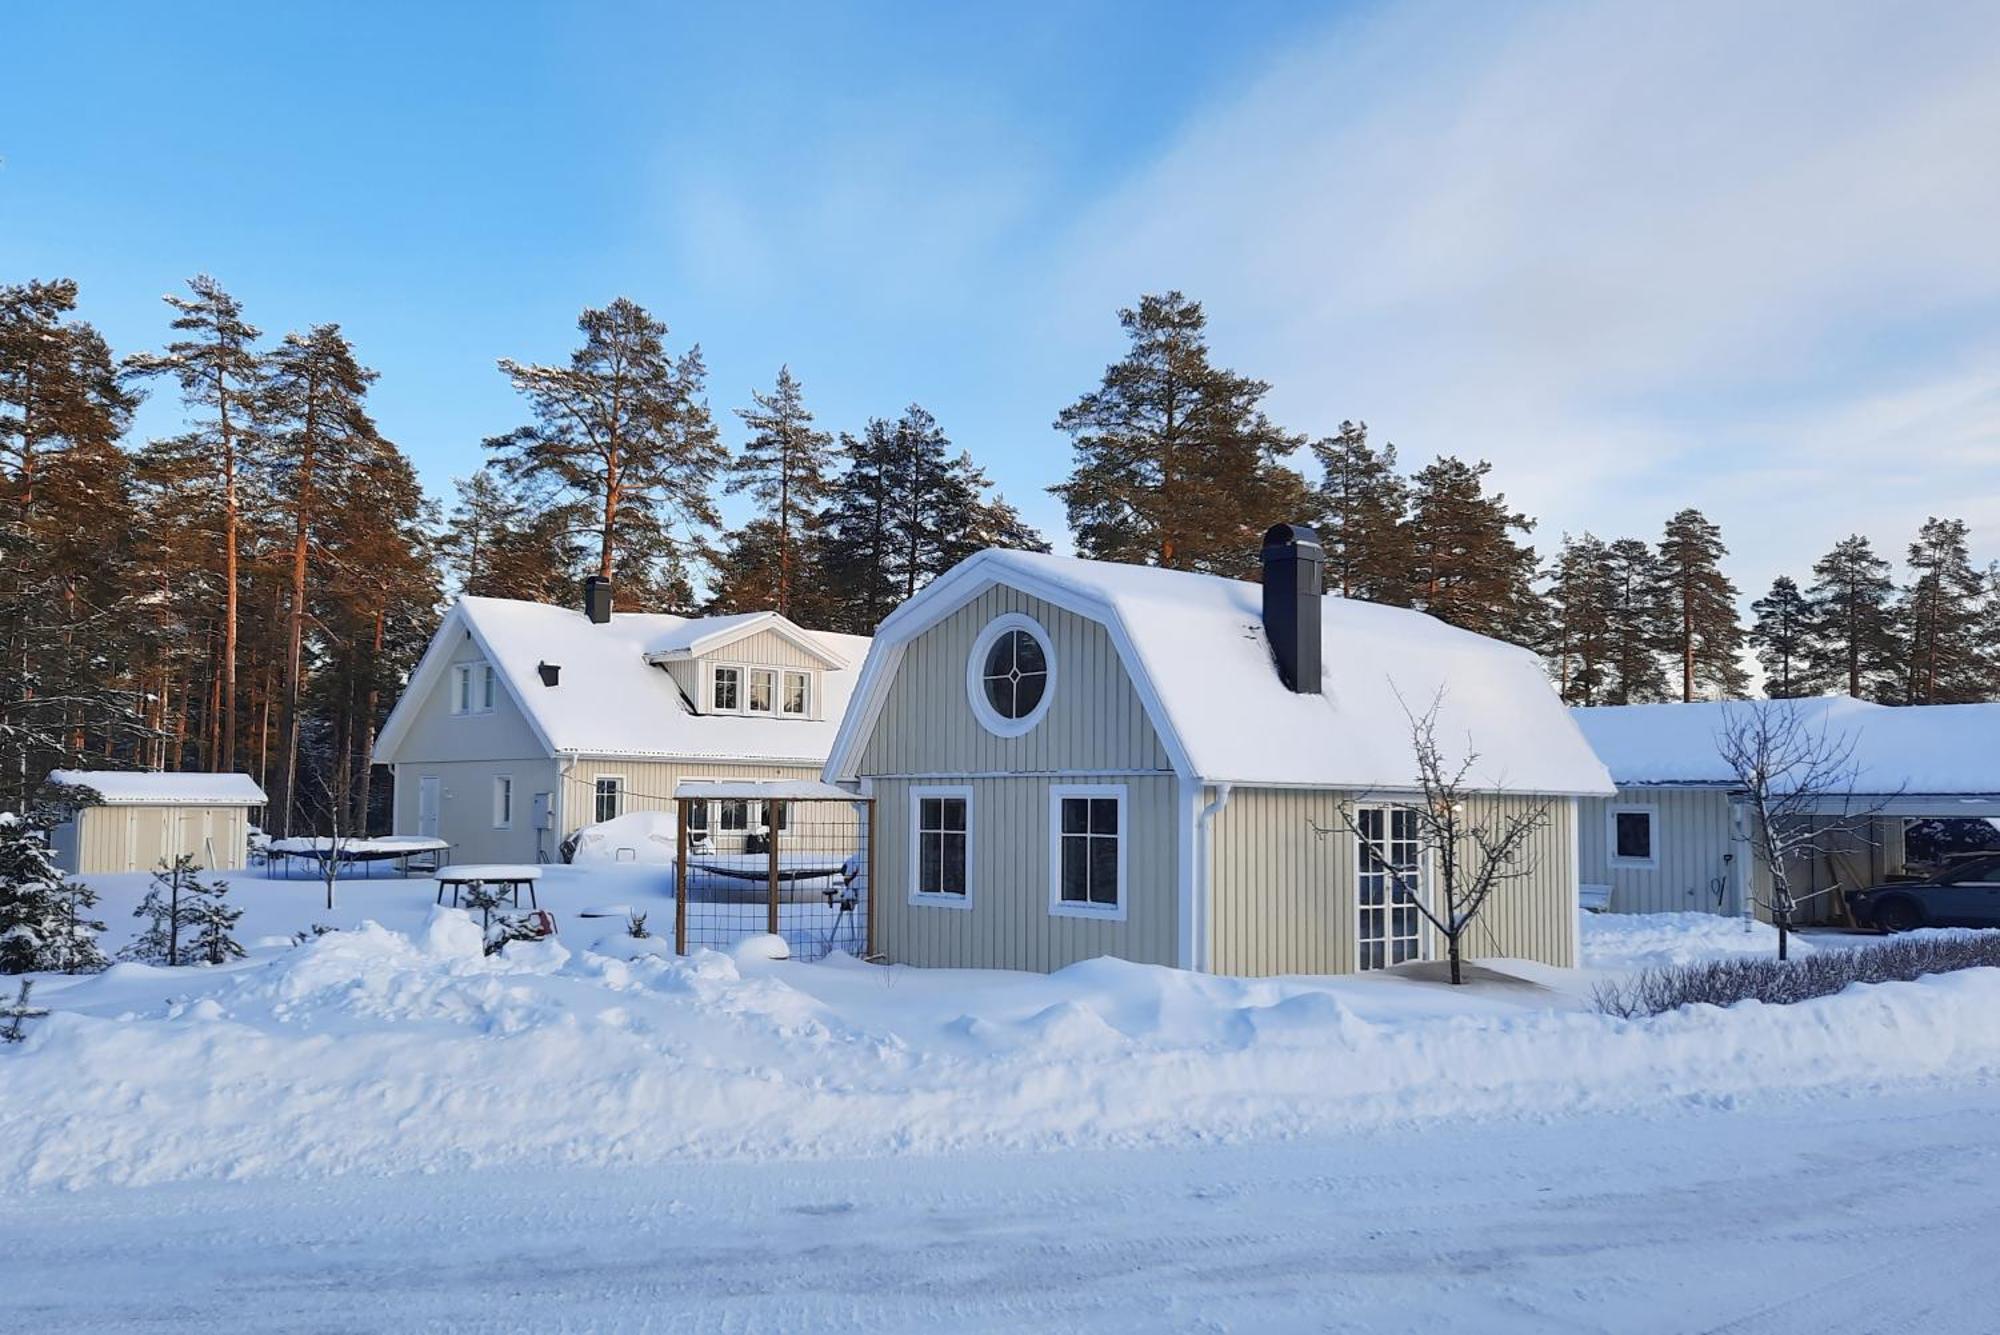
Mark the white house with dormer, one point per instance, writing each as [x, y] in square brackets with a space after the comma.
[525, 722]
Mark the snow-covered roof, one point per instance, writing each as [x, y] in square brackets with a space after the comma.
[610, 700]
[147, 788]
[1195, 648]
[1915, 749]
[776, 790]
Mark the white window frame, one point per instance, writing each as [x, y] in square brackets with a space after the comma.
[975, 675]
[750, 678]
[963, 792]
[1652, 814]
[618, 781]
[475, 689]
[503, 801]
[722, 825]
[785, 680]
[715, 670]
[1425, 879]
[1060, 907]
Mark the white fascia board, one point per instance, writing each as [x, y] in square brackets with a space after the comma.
[774, 622]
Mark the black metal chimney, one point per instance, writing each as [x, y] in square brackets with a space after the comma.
[1294, 567]
[597, 599]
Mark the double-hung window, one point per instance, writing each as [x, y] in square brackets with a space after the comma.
[1388, 877]
[763, 690]
[610, 797]
[941, 846]
[726, 692]
[1087, 850]
[798, 694]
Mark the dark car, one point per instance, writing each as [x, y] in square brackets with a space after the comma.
[1965, 894]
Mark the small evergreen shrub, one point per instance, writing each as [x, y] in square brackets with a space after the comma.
[1725, 982]
[45, 922]
[189, 920]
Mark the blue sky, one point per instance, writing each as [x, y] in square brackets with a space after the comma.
[1739, 257]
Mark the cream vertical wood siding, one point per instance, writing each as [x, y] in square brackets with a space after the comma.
[1094, 723]
[766, 648]
[1283, 885]
[140, 838]
[1095, 731]
[1006, 923]
[1692, 835]
[650, 784]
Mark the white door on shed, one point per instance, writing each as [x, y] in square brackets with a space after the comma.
[430, 791]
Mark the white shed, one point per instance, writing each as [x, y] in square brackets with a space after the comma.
[145, 819]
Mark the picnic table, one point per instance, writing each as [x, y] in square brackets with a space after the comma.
[509, 876]
[318, 849]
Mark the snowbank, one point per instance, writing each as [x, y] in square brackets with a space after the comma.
[646, 838]
[376, 1051]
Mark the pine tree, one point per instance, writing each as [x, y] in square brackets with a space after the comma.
[213, 922]
[319, 431]
[1466, 567]
[1943, 619]
[1637, 624]
[504, 543]
[1855, 644]
[1363, 515]
[220, 375]
[1580, 599]
[169, 908]
[45, 923]
[859, 532]
[1782, 637]
[1176, 463]
[784, 467]
[68, 649]
[1703, 631]
[625, 435]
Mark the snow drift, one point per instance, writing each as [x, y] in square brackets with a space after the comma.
[375, 1051]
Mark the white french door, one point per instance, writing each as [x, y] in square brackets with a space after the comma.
[1388, 864]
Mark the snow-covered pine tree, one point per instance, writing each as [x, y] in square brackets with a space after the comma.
[624, 435]
[212, 921]
[220, 376]
[1635, 673]
[1466, 566]
[1855, 646]
[1943, 619]
[1362, 521]
[169, 907]
[1176, 463]
[14, 1014]
[1782, 637]
[1703, 632]
[784, 466]
[45, 922]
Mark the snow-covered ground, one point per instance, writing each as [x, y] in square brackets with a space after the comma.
[850, 1142]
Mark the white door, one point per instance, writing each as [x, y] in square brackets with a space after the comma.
[429, 792]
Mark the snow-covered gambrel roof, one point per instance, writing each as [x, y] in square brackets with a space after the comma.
[127, 788]
[1195, 648]
[1903, 749]
[612, 697]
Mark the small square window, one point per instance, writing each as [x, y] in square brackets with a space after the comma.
[1632, 835]
[735, 814]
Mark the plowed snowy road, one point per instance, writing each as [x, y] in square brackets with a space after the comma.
[1879, 1212]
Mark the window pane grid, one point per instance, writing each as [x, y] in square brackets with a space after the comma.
[1088, 860]
[941, 846]
[1388, 869]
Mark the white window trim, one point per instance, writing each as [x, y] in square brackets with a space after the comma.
[917, 795]
[975, 675]
[777, 679]
[743, 670]
[784, 694]
[1058, 906]
[503, 813]
[1426, 878]
[1652, 815]
[708, 691]
[469, 685]
[596, 779]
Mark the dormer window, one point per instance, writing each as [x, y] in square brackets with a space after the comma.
[474, 688]
[798, 694]
[763, 687]
[727, 695]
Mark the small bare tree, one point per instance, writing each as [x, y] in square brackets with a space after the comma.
[1796, 779]
[1472, 858]
[336, 844]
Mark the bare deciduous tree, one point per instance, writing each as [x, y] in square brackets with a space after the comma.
[1471, 857]
[1796, 780]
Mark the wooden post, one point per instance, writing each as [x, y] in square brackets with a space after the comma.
[772, 810]
[681, 806]
[868, 886]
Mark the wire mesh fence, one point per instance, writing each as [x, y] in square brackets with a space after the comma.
[790, 867]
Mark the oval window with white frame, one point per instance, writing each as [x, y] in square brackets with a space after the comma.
[1010, 676]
